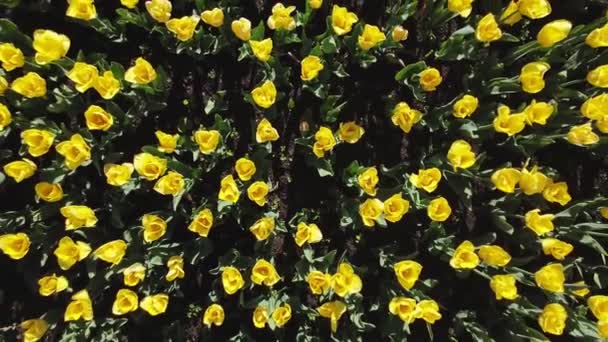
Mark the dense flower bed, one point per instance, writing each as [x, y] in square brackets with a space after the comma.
[250, 170]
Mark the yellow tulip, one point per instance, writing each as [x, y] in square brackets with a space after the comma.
[494, 255]
[52, 284]
[50, 45]
[134, 274]
[31, 85]
[399, 34]
[78, 216]
[324, 142]
[350, 132]
[487, 30]
[154, 227]
[79, 308]
[149, 166]
[214, 17]
[214, 314]
[281, 18]
[534, 9]
[531, 77]
[318, 282]
[370, 211]
[504, 286]
[598, 77]
[582, 135]
[3, 88]
[395, 207]
[551, 278]
[430, 79]
[11, 57]
[599, 306]
[460, 155]
[129, 3]
[159, 10]
[557, 193]
[170, 184]
[404, 308]
[245, 168]
[368, 180]
[282, 315]
[126, 301]
[241, 29]
[81, 9]
[553, 319]
[15, 246]
[207, 140]
[5, 117]
[202, 223]
[257, 192]
[506, 179]
[307, 233]
[229, 191]
[49, 192]
[262, 49]
[118, 175]
[264, 95]
[310, 68]
[342, 20]
[533, 182]
[553, 32]
[98, 119]
[265, 132]
[262, 228]
[183, 28]
[464, 256]
[556, 248]
[465, 107]
[111, 252]
[581, 291]
[263, 272]
[405, 117]
[602, 328]
[439, 209]
[315, 4]
[407, 273]
[76, 151]
[538, 112]
[426, 179]
[34, 329]
[370, 37]
[461, 7]
[175, 266]
[332, 310]
[508, 123]
[166, 142]
[260, 317]
[142, 72]
[155, 304]
[345, 281]
[596, 39]
[107, 85]
[232, 280]
[20, 170]
[595, 107]
[69, 252]
[539, 224]
[83, 75]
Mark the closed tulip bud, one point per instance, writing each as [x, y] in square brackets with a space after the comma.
[407, 273]
[159, 10]
[149, 166]
[140, 73]
[214, 315]
[126, 301]
[264, 95]
[553, 319]
[262, 228]
[399, 33]
[111, 252]
[281, 18]
[80, 308]
[405, 117]
[83, 75]
[494, 255]
[504, 286]
[68, 252]
[50, 45]
[307, 233]
[553, 32]
[11, 57]
[370, 37]
[531, 77]
[487, 29]
[342, 20]
[461, 155]
[556, 248]
[262, 49]
[551, 278]
[315, 4]
[20, 170]
[49, 192]
[465, 107]
[183, 28]
[15, 246]
[265, 132]
[31, 85]
[201, 224]
[155, 304]
[229, 191]
[464, 256]
[241, 29]
[214, 17]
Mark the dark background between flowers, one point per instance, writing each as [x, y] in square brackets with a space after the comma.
[299, 185]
